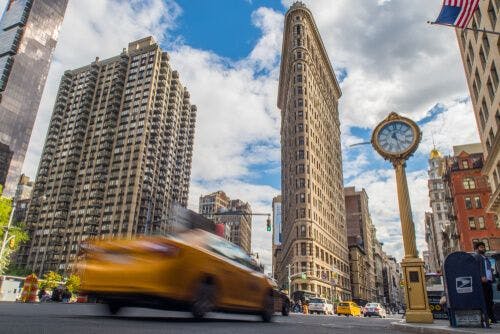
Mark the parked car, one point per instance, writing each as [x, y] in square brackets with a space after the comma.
[320, 306]
[349, 308]
[195, 271]
[374, 309]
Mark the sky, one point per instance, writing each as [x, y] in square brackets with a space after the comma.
[385, 55]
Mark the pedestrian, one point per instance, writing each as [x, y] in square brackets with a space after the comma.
[57, 294]
[66, 295]
[486, 273]
[41, 294]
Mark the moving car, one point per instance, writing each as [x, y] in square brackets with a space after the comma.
[195, 271]
[320, 306]
[374, 309]
[348, 309]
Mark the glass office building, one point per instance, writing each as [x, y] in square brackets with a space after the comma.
[28, 36]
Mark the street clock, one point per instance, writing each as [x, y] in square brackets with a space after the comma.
[396, 138]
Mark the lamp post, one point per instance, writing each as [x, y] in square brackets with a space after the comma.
[396, 138]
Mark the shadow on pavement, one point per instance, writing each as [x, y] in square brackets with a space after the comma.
[160, 319]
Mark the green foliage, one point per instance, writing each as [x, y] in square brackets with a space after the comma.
[17, 231]
[73, 283]
[50, 280]
[17, 271]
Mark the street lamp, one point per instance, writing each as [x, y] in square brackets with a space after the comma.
[396, 138]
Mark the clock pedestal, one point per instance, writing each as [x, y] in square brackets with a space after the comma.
[396, 138]
[417, 304]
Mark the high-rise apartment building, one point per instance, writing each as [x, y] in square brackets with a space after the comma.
[481, 58]
[439, 226]
[469, 192]
[431, 257]
[117, 154]
[22, 199]
[313, 211]
[277, 237]
[359, 237]
[28, 36]
[233, 213]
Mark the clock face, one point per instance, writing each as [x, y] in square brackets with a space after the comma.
[396, 137]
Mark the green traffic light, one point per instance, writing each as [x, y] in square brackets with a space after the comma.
[269, 229]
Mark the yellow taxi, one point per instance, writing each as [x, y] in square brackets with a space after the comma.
[194, 271]
[348, 309]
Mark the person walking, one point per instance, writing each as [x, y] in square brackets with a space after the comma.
[486, 273]
[66, 295]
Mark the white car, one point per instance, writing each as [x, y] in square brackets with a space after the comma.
[374, 309]
[320, 306]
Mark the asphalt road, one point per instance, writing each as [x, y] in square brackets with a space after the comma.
[17, 318]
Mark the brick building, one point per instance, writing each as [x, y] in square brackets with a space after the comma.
[469, 192]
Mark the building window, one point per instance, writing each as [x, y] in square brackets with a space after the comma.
[486, 244]
[492, 14]
[302, 231]
[494, 75]
[465, 164]
[491, 91]
[303, 249]
[477, 200]
[486, 43]
[469, 183]
[483, 64]
[302, 198]
[468, 203]
[480, 223]
[474, 242]
[438, 206]
[472, 223]
[481, 118]
[485, 110]
[497, 222]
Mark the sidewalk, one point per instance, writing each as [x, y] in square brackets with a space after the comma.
[442, 327]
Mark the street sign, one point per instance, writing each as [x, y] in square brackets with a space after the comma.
[303, 276]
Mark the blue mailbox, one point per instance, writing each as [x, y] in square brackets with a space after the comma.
[464, 292]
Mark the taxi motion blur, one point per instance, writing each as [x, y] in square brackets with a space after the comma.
[194, 271]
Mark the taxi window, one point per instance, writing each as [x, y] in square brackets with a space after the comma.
[344, 304]
[229, 251]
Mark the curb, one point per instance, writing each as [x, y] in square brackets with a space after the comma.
[427, 329]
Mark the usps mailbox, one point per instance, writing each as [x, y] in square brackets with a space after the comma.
[464, 291]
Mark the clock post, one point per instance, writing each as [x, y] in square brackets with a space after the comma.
[396, 138]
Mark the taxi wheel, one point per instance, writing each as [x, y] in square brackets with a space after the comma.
[285, 310]
[114, 308]
[268, 311]
[204, 301]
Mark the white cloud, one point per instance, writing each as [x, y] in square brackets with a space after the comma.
[455, 126]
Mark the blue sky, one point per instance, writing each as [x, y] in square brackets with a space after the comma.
[227, 53]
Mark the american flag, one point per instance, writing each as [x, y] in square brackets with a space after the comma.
[457, 12]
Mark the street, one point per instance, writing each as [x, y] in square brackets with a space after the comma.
[17, 318]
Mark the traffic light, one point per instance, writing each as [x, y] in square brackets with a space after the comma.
[268, 223]
[12, 243]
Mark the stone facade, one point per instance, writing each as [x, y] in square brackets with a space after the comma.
[117, 153]
[481, 58]
[360, 239]
[314, 228]
[277, 239]
[235, 214]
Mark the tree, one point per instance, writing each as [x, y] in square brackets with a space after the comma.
[73, 283]
[50, 280]
[17, 231]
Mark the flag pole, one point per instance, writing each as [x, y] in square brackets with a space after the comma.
[472, 29]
